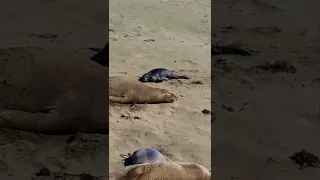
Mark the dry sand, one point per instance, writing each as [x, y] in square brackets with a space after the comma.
[169, 34]
[281, 115]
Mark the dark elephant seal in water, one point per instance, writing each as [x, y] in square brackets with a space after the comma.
[160, 75]
[145, 155]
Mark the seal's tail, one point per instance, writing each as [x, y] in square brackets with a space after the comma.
[180, 77]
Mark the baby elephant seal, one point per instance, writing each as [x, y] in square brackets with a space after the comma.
[169, 171]
[145, 155]
[159, 75]
[129, 91]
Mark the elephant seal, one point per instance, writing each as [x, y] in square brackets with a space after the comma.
[160, 75]
[102, 57]
[169, 171]
[145, 155]
[129, 91]
[52, 96]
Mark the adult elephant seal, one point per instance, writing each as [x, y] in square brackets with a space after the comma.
[129, 91]
[169, 171]
[52, 91]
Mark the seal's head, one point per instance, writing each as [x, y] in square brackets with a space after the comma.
[167, 96]
[128, 161]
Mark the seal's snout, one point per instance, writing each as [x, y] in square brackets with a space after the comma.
[142, 79]
[167, 96]
[171, 97]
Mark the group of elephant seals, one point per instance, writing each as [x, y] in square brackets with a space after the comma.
[129, 91]
[145, 155]
[169, 171]
[160, 75]
[102, 57]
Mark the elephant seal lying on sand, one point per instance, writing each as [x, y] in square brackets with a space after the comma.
[177, 171]
[145, 155]
[159, 75]
[129, 91]
[52, 91]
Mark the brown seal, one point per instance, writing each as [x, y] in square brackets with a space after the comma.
[45, 91]
[126, 91]
[169, 171]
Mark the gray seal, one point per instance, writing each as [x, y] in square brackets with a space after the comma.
[160, 75]
[145, 155]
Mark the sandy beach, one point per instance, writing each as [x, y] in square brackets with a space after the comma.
[266, 106]
[162, 34]
[55, 36]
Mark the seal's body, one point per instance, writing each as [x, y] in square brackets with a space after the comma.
[54, 96]
[145, 155]
[169, 171]
[129, 91]
[160, 75]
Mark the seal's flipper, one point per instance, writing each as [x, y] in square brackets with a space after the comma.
[183, 77]
[179, 77]
[121, 100]
[128, 161]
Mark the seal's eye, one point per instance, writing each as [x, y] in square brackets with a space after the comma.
[168, 94]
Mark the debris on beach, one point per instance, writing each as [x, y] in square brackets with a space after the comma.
[235, 49]
[206, 111]
[227, 108]
[45, 35]
[264, 31]
[45, 172]
[197, 82]
[224, 65]
[66, 176]
[305, 160]
[277, 66]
